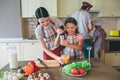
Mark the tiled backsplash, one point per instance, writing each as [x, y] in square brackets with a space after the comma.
[29, 25]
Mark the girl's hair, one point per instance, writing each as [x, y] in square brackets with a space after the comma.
[71, 20]
[41, 12]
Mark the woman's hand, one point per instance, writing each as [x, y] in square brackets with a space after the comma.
[64, 42]
[59, 31]
[59, 60]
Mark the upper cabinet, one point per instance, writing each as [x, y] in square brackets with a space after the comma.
[29, 6]
[67, 7]
[51, 6]
[110, 8]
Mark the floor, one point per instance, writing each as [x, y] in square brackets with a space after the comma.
[117, 68]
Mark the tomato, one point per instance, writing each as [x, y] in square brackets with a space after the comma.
[31, 63]
[82, 70]
[74, 71]
[28, 69]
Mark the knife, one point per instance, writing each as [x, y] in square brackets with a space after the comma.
[41, 61]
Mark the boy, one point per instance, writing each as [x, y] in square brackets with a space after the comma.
[98, 38]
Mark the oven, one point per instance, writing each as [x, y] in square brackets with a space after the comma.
[112, 46]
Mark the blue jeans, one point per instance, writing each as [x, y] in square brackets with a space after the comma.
[86, 43]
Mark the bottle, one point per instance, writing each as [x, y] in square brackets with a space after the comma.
[13, 63]
[10, 76]
[15, 77]
[5, 76]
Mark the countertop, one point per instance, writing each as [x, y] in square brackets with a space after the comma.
[17, 40]
[21, 40]
[99, 71]
[113, 38]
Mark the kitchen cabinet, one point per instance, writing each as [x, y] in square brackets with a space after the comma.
[29, 6]
[112, 59]
[67, 7]
[31, 51]
[4, 52]
[51, 6]
[110, 8]
[102, 56]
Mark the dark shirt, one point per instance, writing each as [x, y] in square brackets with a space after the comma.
[99, 38]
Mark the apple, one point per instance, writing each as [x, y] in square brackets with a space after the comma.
[31, 63]
[81, 70]
[74, 71]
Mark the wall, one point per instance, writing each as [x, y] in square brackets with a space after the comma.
[10, 19]
[110, 23]
[30, 25]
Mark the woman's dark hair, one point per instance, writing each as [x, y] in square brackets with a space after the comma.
[41, 12]
[71, 20]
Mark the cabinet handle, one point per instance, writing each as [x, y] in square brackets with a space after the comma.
[32, 43]
[7, 43]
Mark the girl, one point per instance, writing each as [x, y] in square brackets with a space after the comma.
[74, 41]
[46, 34]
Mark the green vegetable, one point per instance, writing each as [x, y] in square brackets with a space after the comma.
[80, 64]
[20, 70]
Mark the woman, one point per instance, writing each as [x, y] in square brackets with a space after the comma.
[46, 33]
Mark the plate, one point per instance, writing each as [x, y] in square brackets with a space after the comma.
[80, 64]
[75, 75]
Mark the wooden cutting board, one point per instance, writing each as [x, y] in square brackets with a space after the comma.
[49, 63]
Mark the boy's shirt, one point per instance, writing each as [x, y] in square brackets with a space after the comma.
[99, 38]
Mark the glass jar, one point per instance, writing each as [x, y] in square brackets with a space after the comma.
[13, 63]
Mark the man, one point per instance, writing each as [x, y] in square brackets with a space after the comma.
[85, 25]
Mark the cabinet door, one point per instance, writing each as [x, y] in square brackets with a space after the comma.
[29, 7]
[112, 59]
[115, 59]
[108, 57]
[24, 8]
[4, 52]
[67, 7]
[110, 8]
[31, 51]
[32, 6]
[51, 6]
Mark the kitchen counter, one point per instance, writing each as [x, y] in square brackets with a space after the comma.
[21, 40]
[113, 38]
[99, 71]
[17, 40]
